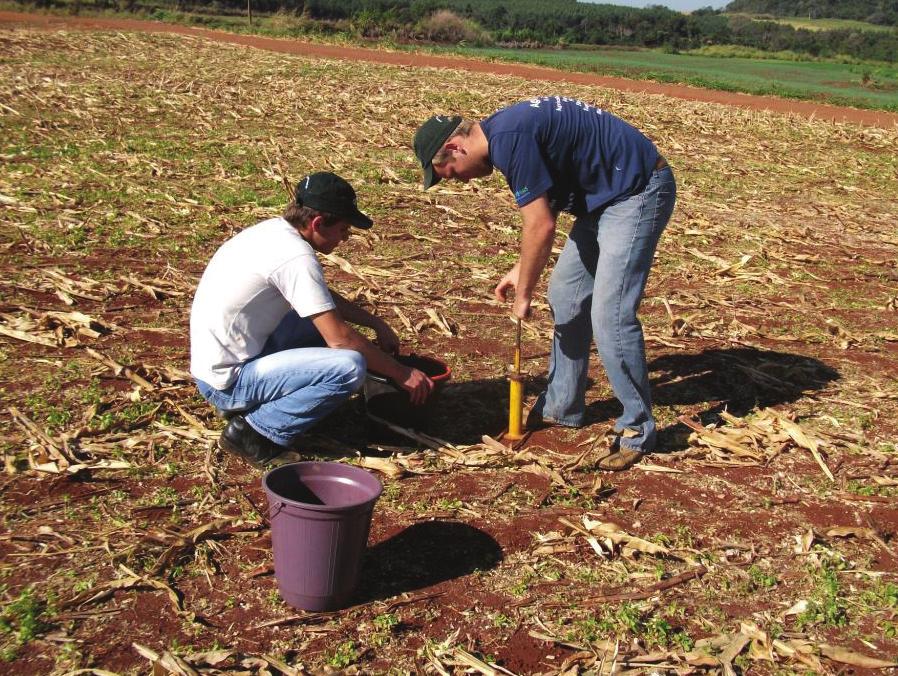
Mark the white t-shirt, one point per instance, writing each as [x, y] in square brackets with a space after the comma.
[252, 281]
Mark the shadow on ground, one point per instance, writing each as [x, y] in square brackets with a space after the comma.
[737, 380]
[460, 413]
[423, 555]
[466, 411]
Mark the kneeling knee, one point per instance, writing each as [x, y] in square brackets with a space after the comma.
[353, 368]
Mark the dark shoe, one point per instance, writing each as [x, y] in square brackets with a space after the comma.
[243, 441]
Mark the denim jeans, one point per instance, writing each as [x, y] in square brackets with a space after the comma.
[594, 292]
[295, 382]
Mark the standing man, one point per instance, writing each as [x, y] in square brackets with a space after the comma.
[270, 346]
[561, 154]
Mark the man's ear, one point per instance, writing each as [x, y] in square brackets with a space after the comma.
[455, 148]
[316, 223]
[310, 227]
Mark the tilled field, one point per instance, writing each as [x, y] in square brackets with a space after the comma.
[759, 538]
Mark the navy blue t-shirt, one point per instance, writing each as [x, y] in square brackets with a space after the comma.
[580, 156]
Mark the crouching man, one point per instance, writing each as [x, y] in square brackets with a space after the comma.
[270, 346]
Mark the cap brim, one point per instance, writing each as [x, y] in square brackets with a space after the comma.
[360, 220]
[431, 178]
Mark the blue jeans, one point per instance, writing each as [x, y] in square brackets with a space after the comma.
[594, 292]
[295, 382]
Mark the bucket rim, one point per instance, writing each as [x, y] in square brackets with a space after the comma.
[439, 378]
[364, 476]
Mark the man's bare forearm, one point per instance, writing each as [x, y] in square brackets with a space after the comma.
[536, 244]
[354, 313]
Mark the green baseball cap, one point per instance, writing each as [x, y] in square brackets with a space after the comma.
[328, 192]
[429, 138]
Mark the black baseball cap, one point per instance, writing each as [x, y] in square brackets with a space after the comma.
[328, 192]
[429, 138]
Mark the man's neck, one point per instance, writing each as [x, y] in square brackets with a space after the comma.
[478, 142]
[477, 145]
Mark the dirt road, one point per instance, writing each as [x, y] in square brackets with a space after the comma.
[803, 108]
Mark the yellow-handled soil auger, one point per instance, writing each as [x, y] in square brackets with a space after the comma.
[516, 393]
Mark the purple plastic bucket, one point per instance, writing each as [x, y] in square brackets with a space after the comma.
[320, 514]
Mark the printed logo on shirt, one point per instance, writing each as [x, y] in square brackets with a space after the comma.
[559, 101]
[521, 193]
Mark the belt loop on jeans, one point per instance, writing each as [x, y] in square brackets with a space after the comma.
[661, 163]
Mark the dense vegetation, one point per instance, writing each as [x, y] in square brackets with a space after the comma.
[725, 68]
[882, 12]
[534, 23]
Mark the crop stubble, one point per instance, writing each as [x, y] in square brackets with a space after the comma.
[771, 330]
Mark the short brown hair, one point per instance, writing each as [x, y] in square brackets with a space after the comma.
[298, 216]
[463, 129]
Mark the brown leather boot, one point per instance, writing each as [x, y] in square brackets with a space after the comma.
[622, 458]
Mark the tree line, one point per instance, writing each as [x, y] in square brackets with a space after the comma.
[538, 23]
[881, 12]
[560, 22]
